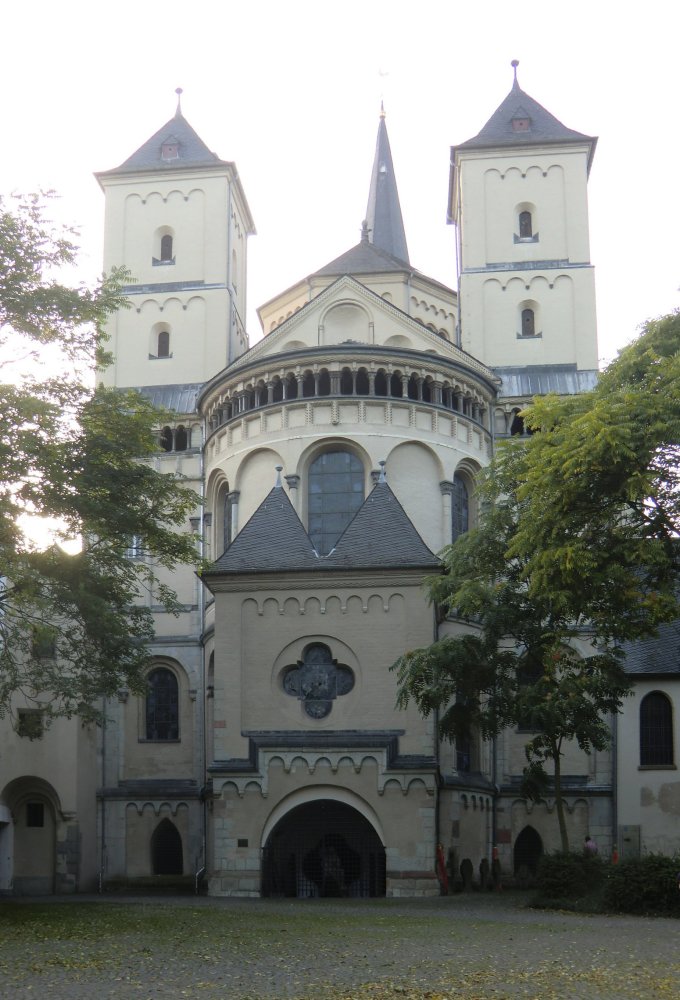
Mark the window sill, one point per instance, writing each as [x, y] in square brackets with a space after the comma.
[529, 336]
[657, 767]
[144, 740]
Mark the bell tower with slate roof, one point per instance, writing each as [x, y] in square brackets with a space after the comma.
[178, 219]
[518, 197]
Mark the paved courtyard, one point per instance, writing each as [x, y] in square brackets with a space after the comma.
[473, 946]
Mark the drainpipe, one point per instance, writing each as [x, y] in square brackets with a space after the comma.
[102, 835]
[230, 287]
[202, 688]
[615, 782]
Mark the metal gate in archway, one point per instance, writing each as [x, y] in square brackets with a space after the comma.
[323, 849]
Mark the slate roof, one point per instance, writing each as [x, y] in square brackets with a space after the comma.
[364, 258]
[380, 536]
[658, 655]
[273, 540]
[543, 127]
[192, 151]
[385, 222]
[537, 380]
[178, 398]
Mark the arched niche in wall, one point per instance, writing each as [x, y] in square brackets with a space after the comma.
[345, 321]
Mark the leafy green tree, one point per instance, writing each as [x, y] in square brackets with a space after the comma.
[71, 625]
[577, 539]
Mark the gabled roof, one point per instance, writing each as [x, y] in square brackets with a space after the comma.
[364, 258]
[192, 151]
[380, 535]
[543, 127]
[385, 222]
[655, 656]
[273, 540]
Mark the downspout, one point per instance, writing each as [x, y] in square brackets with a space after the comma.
[202, 711]
[230, 287]
[102, 834]
[459, 255]
[615, 784]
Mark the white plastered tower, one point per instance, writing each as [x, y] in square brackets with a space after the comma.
[518, 197]
[177, 218]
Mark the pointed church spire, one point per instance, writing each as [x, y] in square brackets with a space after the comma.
[384, 217]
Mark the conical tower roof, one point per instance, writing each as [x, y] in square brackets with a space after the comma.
[273, 540]
[521, 121]
[385, 222]
[175, 146]
[381, 536]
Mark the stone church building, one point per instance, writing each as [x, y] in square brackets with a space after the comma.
[335, 458]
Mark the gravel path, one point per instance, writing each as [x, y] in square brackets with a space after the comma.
[474, 946]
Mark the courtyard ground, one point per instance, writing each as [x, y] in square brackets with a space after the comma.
[465, 946]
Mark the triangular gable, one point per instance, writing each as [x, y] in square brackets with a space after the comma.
[273, 540]
[381, 536]
[192, 151]
[345, 289]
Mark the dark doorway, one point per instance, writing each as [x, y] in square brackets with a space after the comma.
[166, 850]
[528, 850]
[323, 849]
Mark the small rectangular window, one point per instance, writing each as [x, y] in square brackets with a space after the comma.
[30, 723]
[35, 814]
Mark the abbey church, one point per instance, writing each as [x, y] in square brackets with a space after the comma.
[335, 458]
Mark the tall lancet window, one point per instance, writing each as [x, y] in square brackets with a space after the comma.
[335, 493]
[460, 508]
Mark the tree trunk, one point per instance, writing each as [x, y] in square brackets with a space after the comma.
[559, 802]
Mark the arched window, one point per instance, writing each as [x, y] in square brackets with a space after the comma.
[165, 440]
[166, 849]
[162, 705]
[525, 226]
[181, 439]
[656, 730]
[164, 344]
[335, 493]
[517, 423]
[460, 508]
[528, 323]
[166, 248]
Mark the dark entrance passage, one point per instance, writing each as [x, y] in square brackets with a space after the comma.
[166, 849]
[528, 851]
[323, 849]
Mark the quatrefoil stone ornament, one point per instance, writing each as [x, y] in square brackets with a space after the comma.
[317, 680]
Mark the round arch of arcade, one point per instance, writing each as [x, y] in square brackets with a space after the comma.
[323, 841]
[304, 796]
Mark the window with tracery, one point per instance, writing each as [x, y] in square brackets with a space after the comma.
[162, 705]
[656, 730]
[335, 493]
[317, 680]
[460, 508]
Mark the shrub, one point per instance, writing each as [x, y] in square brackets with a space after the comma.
[644, 885]
[569, 875]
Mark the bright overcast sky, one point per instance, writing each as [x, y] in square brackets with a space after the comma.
[291, 92]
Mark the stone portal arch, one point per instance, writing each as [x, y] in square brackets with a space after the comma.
[528, 851]
[323, 848]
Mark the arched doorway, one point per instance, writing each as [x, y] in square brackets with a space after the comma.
[166, 850]
[528, 851]
[320, 849]
[34, 845]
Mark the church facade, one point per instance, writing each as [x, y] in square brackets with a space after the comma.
[334, 459]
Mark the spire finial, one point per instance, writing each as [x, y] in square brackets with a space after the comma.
[179, 93]
[383, 478]
[382, 109]
[278, 484]
[515, 64]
